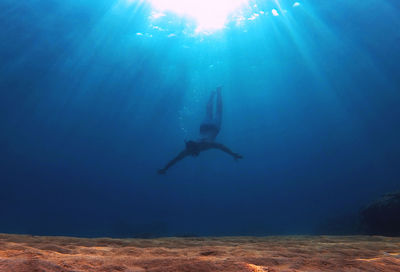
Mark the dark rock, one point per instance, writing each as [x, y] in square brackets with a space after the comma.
[209, 253]
[382, 217]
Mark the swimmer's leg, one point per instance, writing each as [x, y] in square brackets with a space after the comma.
[218, 114]
[210, 107]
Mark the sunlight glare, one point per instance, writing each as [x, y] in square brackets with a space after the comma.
[209, 14]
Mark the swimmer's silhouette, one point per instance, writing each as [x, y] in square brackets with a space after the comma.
[209, 130]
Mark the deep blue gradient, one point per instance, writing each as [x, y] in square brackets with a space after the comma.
[89, 110]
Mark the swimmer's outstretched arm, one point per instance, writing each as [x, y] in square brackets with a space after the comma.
[226, 150]
[180, 156]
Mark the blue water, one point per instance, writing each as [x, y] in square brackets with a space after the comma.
[94, 99]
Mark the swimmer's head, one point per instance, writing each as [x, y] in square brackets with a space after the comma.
[192, 147]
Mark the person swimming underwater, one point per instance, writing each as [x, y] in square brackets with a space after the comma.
[209, 130]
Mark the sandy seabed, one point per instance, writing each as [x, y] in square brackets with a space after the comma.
[281, 253]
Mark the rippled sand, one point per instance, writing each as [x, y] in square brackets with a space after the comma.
[284, 253]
